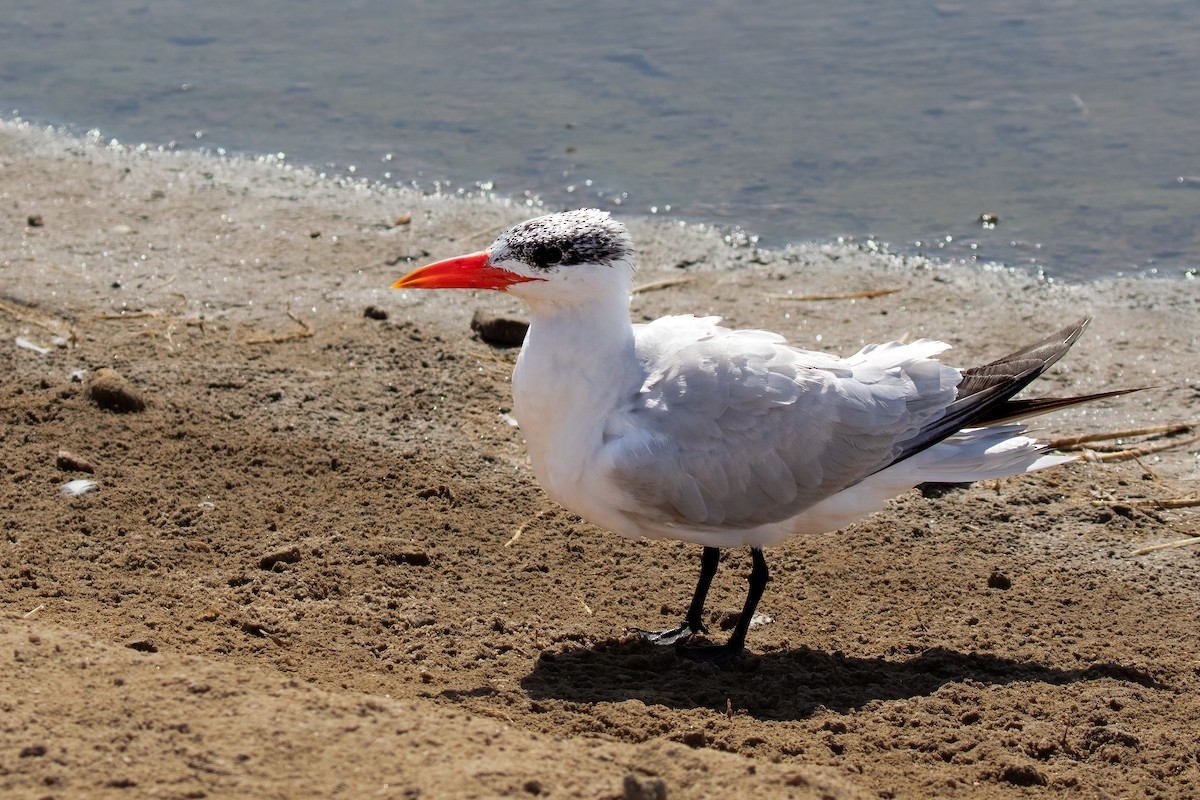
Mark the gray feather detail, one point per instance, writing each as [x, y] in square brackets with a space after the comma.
[738, 429]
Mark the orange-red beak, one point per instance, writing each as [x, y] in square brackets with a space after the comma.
[473, 271]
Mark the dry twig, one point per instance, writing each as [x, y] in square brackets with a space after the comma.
[288, 337]
[47, 322]
[1150, 502]
[540, 515]
[869, 293]
[129, 315]
[1166, 546]
[482, 235]
[663, 284]
[1069, 442]
[1136, 452]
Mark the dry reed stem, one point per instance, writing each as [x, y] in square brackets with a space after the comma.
[663, 284]
[1166, 546]
[1150, 502]
[129, 315]
[799, 298]
[289, 337]
[1136, 452]
[46, 322]
[1068, 442]
[540, 515]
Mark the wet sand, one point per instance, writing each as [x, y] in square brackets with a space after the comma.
[299, 574]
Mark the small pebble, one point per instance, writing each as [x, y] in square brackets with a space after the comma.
[643, 789]
[69, 462]
[108, 389]
[289, 555]
[35, 221]
[495, 329]
[375, 312]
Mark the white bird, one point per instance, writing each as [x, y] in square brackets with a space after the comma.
[684, 429]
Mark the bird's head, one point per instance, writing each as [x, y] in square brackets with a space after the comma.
[569, 258]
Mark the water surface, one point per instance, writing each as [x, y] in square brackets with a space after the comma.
[1075, 123]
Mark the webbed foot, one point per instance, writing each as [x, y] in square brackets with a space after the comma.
[672, 636]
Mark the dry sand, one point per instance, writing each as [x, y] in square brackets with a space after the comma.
[296, 578]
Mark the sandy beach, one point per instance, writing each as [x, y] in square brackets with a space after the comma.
[316, 563]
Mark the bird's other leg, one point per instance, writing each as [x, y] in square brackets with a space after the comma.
[693, 622]
[725, 653]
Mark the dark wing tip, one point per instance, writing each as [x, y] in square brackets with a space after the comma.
[1014, 410]
[985, 392]
[1018, 369]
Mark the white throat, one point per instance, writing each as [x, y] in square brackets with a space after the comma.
[577, 365]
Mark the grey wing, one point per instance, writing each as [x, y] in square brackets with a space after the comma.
[737, 429]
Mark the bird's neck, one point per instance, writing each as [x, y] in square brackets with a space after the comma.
[576, 349]
[575, 367]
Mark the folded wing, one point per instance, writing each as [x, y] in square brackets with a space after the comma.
[737, 429]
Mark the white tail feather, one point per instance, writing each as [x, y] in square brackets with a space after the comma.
[972, 454]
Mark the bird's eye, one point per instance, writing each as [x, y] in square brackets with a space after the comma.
[546, 255]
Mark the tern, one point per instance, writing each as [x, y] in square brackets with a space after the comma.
[683, 429]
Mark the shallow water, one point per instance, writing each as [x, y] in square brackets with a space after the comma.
[1075, 123]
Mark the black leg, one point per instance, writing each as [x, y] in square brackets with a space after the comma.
[694, 621]
[709, 560]
[723, 654]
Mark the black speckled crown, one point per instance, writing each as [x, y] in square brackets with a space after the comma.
[584, 236]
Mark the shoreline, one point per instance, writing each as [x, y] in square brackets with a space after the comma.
[731, 235]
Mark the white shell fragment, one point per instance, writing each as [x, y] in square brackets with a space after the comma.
[78, 487]
[29, 344]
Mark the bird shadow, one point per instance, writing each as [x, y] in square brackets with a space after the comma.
[788, 685]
